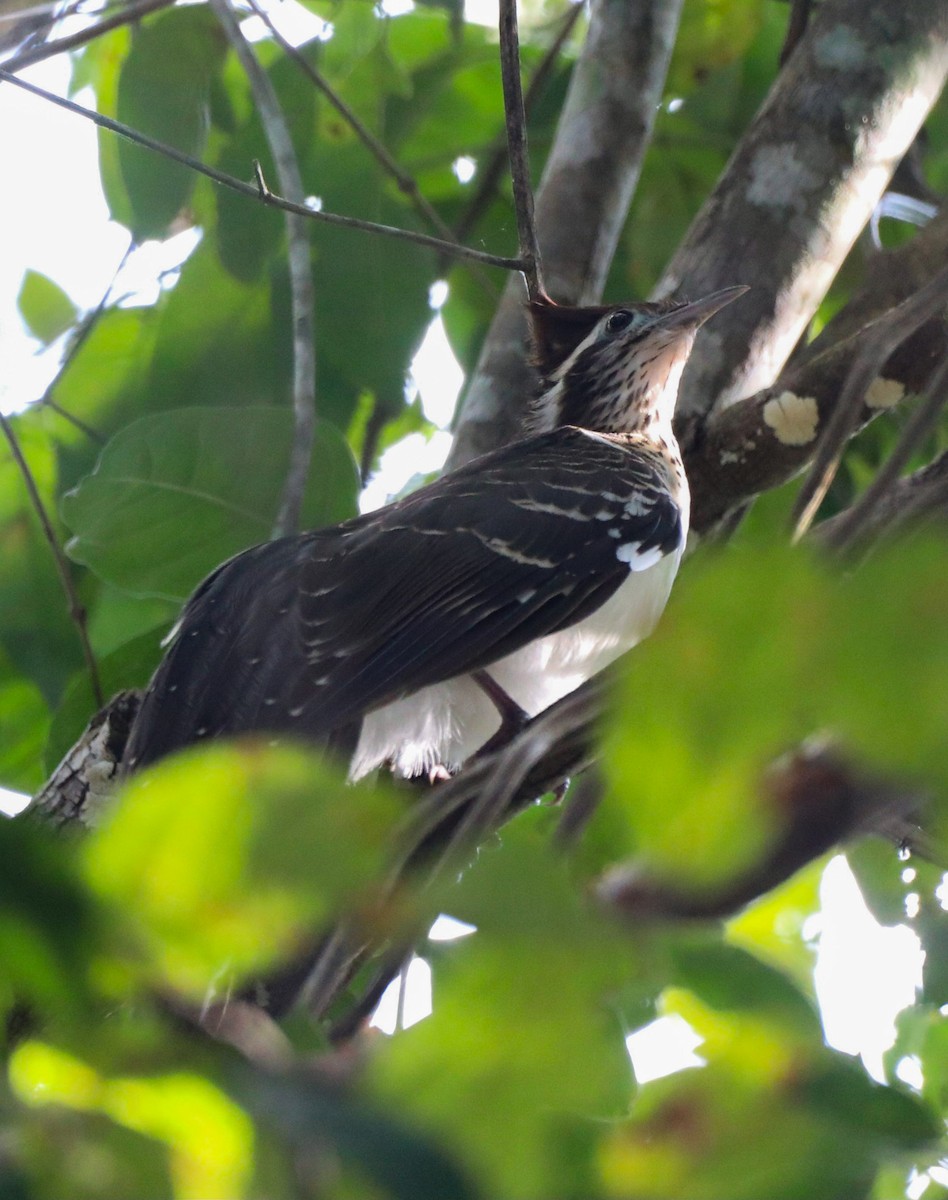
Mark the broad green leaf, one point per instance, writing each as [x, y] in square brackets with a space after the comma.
[209, 1139]
[49, 923]
[758, 650]
[45, 307]
[524, 1050]
[198, 858]
[218, 341]
[728, 978]
[712, 34]
[185, 45]
[810, 1133]
[177, 493]
[101, 387]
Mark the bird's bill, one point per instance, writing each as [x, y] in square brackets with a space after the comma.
[691, 316]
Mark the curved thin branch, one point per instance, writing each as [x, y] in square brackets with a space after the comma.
[406, 183]
[77, 613]
[877, 343]
[250, 190]
[298, 261]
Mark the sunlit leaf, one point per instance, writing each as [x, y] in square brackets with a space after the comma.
[197, 857]
[45, 307]
[758, 650]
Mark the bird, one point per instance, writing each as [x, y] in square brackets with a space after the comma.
[414, 636]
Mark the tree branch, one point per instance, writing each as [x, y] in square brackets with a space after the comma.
[77, 613]
[128, 14]
[760, 443]
[489, 175]
[252, 191]
[405, 182]
[801, 185]
[822, 800]
[301, 278]
[581, 203]
[920, 424]
[877, 342]
[516, 124]
[911, 500]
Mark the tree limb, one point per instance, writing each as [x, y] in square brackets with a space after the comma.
[802, 184]
[450, 249]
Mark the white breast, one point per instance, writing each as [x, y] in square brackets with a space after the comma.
[448, 722]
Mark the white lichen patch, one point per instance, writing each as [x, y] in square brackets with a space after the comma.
[884, 393]
[794, 419]
[779, 179]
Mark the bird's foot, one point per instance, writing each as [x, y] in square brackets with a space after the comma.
[512, 716]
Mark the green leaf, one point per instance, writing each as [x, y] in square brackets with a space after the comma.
[35, 629]
[524, 1050]
[24, 722]
[728, 978]
[219, 341]
[303, 1111]
[197, 857]
[45, 307]
[177, 493]
[48, 922]
[185, 45]
[724, 687]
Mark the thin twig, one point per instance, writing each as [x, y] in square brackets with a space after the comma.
[405, 182]
[912, 499]
[131, 12]
[489, 176]
[76, 612]
[85, 329]
[516, 122]
[922, 421]
[301, 278]
[253, 192]
[879, 339]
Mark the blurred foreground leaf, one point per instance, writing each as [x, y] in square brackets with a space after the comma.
[228, 859]
[758, 650]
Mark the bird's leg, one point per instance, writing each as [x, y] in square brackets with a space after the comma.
[512, 716]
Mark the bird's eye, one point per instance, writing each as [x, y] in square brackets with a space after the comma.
[618, 321]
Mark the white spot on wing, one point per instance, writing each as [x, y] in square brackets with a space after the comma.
[637, 558]
[794, 419]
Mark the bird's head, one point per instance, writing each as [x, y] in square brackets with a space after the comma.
[615, 369]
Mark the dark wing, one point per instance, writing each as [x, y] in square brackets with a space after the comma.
[307, 634]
